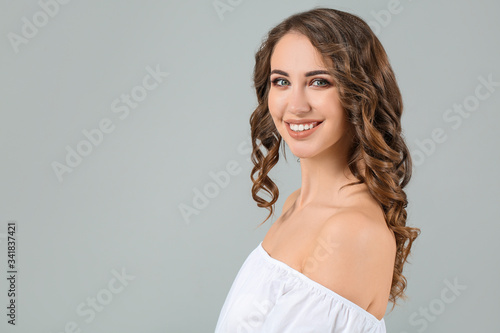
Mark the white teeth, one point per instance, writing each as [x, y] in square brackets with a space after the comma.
[301, 127]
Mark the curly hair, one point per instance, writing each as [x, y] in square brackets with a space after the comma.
[372, 101]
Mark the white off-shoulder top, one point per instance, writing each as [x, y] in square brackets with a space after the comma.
[269, 296]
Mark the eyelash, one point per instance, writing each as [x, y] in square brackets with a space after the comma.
[275, 82]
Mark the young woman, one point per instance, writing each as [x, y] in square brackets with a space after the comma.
[334, 258]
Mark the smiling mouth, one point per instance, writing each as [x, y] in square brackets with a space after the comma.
[303, 127]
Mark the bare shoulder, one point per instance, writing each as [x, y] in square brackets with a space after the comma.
[353, 255]
[290, 200]
[362, 231]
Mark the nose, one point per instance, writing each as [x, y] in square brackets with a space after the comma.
[298, 102]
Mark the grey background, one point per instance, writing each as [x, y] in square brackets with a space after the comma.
[119, 208]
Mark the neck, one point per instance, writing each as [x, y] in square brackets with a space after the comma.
[323, 175]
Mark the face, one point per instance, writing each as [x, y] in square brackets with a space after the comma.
[303, 97]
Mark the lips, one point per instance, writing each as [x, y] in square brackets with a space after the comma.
[305, 133]
[303, 121]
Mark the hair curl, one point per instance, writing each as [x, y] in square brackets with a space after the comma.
[373, 103]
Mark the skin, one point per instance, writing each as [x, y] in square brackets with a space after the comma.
[337, 238]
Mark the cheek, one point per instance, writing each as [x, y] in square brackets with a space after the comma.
[274, 109]
[331, 106]
[339, 126]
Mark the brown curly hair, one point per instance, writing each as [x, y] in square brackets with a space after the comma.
[373, 104]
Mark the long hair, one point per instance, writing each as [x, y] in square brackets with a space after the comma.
[373, 104]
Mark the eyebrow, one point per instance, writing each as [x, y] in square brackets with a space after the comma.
[311, 73]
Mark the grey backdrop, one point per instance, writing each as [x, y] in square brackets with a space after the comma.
[96, 183]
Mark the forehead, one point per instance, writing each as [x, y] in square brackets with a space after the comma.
[295, 52]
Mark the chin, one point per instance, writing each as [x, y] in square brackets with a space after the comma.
[308, 152]
[302, 154]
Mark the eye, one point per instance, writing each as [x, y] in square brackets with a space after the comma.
[323, 83]
[279, 81]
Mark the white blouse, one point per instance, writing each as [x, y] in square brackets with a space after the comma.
[269, 296]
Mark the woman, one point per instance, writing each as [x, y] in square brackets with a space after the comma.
[334, 258]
